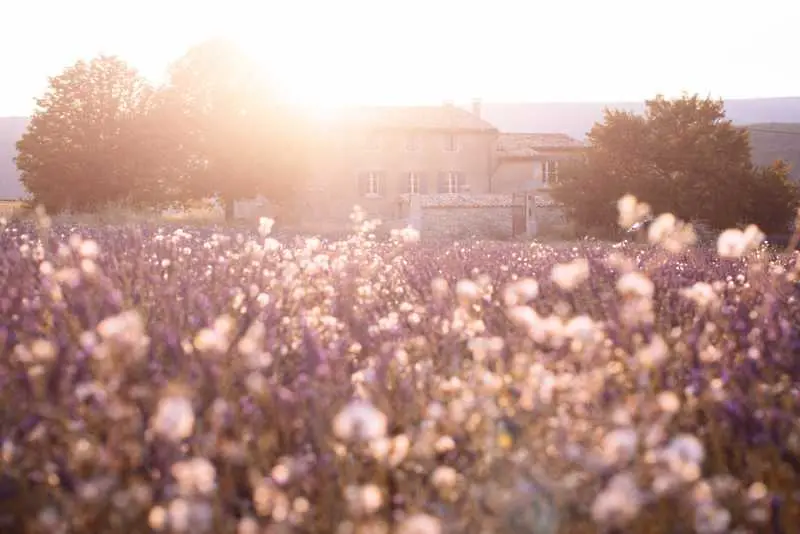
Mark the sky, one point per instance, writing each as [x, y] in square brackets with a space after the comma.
[323, 53]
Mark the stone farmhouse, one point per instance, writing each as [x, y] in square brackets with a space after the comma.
[441, 169]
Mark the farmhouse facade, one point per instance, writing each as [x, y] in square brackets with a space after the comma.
[434, 167]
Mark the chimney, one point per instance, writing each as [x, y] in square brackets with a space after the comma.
[476, 107]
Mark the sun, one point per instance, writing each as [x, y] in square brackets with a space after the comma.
[317, 79]
[336, 62]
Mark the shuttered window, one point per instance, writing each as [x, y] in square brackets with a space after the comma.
[550, 172]
[370, 183]
[452, 182]
[413, 183]
[450, 142]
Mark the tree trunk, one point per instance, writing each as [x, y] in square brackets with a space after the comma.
[228, 203]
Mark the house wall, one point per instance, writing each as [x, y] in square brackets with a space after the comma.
[517, 175]
[526, 174]
[343, 158]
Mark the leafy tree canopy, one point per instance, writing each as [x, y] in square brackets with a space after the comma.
[78, 150]
[682, 156]
[231, 134]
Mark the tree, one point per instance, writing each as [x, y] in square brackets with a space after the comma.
[231, 135]
[78, 151]
[682, 156]
[773, 198]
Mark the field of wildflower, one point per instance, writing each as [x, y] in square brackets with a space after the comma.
[155, 378]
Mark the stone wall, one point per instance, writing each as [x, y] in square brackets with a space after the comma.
[550, 216]
[462, 216]
[252, 208]
[464, 223]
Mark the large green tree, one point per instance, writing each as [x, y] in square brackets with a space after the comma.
[81, 148]
[231, 134]
[682, 156]
[773, 198]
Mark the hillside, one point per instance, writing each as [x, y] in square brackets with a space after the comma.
[577, 118]
[773, 141]
[774, 123]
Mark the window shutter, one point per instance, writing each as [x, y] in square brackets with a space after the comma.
[380, 180]
[442, 183]
[463, 186]
[363, 183]
[423, 183]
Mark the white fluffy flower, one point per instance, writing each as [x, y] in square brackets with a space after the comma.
[620, 445]
[734, 243]
[654, 353]
[360, 421]
[363, 500]
[701, 293]
[195, 477]
[174, 418]
[570, 275]
[619, 502]
[409, 235]
[581, 328]
[520, 292]
[420, 524]
[467, 291]
[635, 284]
[687, 448]
[631, 211]
[88, 249]
[265, 226]
[670, 233]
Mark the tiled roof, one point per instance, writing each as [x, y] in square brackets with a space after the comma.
[447, 117]
[528, 145]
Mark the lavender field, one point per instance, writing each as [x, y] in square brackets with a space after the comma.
[158, 378]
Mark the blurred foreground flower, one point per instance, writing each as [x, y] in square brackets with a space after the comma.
[619, 503]
[520, 292]
[570, 275]
[174, 418]
[420, 524]
[701, 293]
[195, 477]
[265, 226]
[631, 211]
[635, 284]
[123, 333]
[359, 421]
[407, 234]
[735, 243]
[671, 234]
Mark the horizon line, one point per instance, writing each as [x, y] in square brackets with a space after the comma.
[467, 102]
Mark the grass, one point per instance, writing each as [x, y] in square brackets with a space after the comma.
[9, 208]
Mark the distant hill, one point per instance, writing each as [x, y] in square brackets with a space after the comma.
[774, 123]
[577, 118]
[776, 140]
